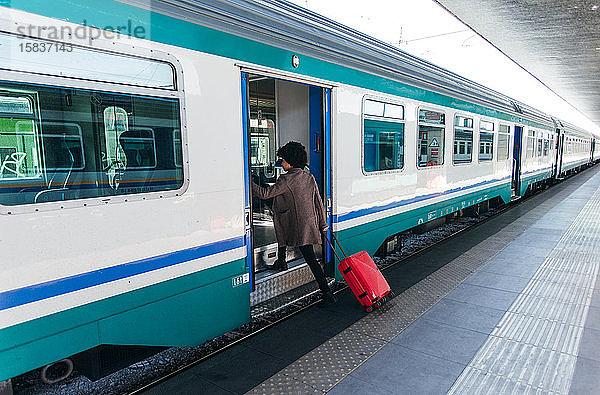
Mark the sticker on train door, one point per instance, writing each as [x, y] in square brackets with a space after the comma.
[240, 280]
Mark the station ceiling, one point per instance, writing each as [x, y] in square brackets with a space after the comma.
[557, 41]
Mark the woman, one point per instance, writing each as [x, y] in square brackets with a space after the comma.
[299, 215]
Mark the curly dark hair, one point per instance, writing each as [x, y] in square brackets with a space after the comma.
[294, 153]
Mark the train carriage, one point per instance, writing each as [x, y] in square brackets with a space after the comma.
[126, 162]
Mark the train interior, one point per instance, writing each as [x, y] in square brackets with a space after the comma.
[280, 111]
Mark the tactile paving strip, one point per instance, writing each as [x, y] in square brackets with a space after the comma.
[534, 348]
[329, 363]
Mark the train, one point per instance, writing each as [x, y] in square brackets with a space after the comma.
[128, 147]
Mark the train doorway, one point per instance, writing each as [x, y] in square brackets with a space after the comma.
[516, 171]
[279, 111]
[560, 140]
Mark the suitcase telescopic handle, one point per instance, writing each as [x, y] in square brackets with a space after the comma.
[333, 247]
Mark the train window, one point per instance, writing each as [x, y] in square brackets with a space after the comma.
[486, 125]
[530, 144]
[503, 142]
[486, 140]
[383, 136]
[61, 144]
[431, 138]
[19, 145]
[384, 110]
[86, 64]
[463, 140]
[540, 146]
[546, 147]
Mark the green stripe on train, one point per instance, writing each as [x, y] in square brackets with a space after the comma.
[172, 31]
[184, 311]
[527, 181]
[371, 235]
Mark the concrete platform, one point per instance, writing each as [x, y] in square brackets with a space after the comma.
[510, 305]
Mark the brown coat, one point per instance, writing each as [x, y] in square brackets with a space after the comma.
[299, 215]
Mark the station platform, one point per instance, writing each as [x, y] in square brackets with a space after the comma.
[511, 305]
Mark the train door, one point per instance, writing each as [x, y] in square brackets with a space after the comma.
[560, 140]
[517, 150]
[558, 158]
[278, 111]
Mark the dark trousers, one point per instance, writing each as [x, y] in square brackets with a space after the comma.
[309, 256]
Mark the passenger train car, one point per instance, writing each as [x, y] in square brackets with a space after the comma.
[127, 151]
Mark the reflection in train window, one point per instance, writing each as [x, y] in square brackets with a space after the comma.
[486, 146]
[177, 152]
[486, 140]
[383, 136]
[540, 146]
[70, 144]
[503, 142]
[19, 150]
[63, 146]
[463, 140]
[530, 144]
[431, 138]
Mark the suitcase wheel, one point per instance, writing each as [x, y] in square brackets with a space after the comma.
[391, 295]
[369, 309]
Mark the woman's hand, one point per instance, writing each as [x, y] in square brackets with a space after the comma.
[325, 229]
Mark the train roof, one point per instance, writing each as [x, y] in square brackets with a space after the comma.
[286, 25]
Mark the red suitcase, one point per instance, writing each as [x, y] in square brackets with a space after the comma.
[364, 278]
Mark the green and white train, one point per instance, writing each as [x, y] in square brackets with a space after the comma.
[127, 152]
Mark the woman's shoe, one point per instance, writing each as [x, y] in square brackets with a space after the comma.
[327, 298]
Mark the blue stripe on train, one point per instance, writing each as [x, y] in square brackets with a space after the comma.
[36, 292]
[376, 209]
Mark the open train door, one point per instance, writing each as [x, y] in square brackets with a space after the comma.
[560, 140]
[516, 171]
[558, 143]
[275, 110]
[329, 263]
[320, 158]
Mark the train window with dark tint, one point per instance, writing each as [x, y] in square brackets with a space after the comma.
[63, 146]
[486, 140]
[540, 146]
[59, 144]
[503, 142]
[431, 138]
[383, 136]
[463, 140]
[546, 147]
